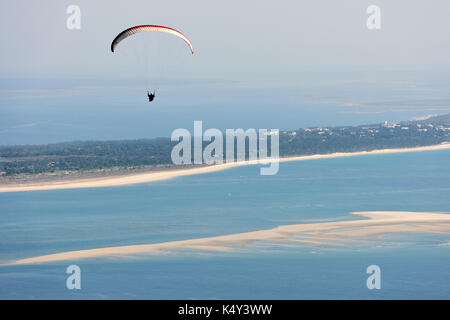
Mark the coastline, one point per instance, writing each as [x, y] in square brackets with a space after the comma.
[321, 233]
[112, 181]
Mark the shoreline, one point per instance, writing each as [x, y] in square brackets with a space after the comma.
[322, 233]
[113, 181]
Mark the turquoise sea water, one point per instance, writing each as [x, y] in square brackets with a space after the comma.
[413, 266]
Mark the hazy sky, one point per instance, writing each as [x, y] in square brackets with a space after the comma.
[257, 63]
[229, 36]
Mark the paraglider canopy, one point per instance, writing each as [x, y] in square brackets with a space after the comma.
[146, 28]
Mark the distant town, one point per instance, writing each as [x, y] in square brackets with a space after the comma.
[97, 158]
[432, 130]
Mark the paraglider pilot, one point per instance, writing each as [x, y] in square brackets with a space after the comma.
[151, 96]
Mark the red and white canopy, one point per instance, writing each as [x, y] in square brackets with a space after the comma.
[144, 28]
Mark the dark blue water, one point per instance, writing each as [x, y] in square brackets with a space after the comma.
[232, 201]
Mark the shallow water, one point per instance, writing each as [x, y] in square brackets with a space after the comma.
[226, 202]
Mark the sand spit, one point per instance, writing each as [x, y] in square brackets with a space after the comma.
[169, 174]
[371, 224]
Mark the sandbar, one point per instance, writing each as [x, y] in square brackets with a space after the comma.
[370, 224]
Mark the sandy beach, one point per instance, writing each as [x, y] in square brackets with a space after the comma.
[112, 181]
[372, 224]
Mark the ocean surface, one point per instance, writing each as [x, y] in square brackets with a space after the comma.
[41, 111]
[413, 266]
